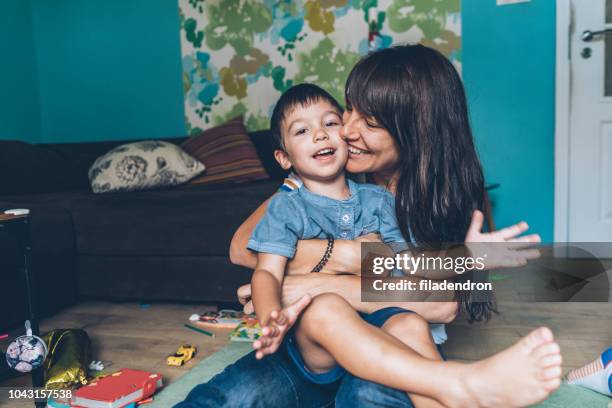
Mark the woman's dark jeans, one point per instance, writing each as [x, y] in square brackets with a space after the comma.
[275, 382]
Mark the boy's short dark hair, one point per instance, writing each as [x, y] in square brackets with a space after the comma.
[301, 94]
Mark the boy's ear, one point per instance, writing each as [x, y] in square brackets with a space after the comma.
[282, 159]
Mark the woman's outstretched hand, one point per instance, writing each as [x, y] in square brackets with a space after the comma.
[504, 248]
[278, 325]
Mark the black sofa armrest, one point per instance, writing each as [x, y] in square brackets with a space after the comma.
[27, 168]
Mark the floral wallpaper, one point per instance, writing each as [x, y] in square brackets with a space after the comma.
[240, 55]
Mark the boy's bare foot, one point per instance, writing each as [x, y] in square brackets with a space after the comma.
[521, 375]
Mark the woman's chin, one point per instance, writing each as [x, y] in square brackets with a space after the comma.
[358, 166]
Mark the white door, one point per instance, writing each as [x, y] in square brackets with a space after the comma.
[590, 123]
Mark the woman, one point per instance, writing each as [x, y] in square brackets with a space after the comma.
[406, 126]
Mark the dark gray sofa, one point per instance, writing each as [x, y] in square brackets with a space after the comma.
[158, 245]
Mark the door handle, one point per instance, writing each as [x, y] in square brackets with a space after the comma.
[588, 35]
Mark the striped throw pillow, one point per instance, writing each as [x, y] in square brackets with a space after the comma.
[228, 154]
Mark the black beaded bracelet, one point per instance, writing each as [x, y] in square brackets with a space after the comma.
[326, 255]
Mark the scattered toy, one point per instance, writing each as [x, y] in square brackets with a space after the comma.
[120, 389]
[69, 356]
[26, 353]
[96, 366]
[184, 353]
[222, 319]
[199, 330]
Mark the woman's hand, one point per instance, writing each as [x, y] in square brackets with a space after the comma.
[503, 248]
[345, 257]
[371, 237]
[294, 288]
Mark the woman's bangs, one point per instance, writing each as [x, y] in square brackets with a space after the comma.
[369, 87]
[359, 89]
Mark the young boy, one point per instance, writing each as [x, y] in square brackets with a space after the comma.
[306, 122]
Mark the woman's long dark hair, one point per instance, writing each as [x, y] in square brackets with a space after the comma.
[416, 94]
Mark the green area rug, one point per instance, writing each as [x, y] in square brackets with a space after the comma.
[567, 396]
[201, 373]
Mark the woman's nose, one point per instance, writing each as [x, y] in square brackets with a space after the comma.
[349, 130]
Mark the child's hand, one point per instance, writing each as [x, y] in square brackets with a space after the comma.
[278, 325]
[504, 248]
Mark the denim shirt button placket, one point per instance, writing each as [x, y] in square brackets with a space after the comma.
[345, 223]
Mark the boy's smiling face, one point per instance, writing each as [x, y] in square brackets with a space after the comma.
[313, 146]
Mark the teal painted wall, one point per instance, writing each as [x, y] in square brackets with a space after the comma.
[113, 71]
[108, 70]
[509, 73]
[19, 103]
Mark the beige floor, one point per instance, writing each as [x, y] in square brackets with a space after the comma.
[131, 336]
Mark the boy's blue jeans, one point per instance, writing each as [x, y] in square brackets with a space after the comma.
[275, 382]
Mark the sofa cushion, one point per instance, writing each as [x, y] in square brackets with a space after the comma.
[143, 165]
[265, 145]
[188, 220]
[81, 156]
[178, 278]
[228, 153]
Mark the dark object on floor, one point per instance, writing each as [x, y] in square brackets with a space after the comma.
[69, 356]
[169, 244]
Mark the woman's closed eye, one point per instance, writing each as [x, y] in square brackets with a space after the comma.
[372, 124]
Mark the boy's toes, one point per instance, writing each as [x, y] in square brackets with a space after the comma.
[546, 350]
[539, 337]
[539, 394]
[551, 373]
[551, 360]
[552, 385]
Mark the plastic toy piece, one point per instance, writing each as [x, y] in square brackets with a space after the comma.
[17, 211]
[96, 366]
[184, 353]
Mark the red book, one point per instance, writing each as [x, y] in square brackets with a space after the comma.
[117, 390]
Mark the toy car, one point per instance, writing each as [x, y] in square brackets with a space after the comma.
[184, 353]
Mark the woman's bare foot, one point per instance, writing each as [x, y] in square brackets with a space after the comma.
[521, 375]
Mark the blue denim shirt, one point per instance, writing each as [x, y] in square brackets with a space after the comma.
[261, 237]
[302, 214]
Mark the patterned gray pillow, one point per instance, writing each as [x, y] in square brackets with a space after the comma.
[141, 166]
